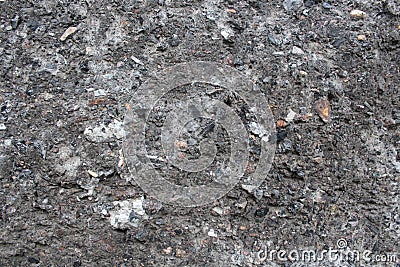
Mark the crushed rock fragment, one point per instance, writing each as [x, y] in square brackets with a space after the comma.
[127, 213]
[104, 133]
[290, 116]
[323, 108]
[68, 32]
[358, 14]
[249, 188]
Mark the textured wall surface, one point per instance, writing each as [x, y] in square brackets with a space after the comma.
[69, 70]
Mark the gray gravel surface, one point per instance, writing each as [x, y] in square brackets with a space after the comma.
[64, 185]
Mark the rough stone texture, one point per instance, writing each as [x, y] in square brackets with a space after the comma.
[329, 180]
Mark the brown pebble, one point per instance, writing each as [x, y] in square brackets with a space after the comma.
[322, 107]
[98, 101]
[181, 144]
[167, 250]
[281, 123]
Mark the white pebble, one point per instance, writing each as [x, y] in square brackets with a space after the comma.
[358, 14]
[297, 51]
[212, 233]
[68, 32]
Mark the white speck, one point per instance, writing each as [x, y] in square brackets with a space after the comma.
[104, 212]
[278, 53]
[93, 174]
[358, 14]
[303, 73]
[218, 210]
[241, 205]
[68, 32]
[290, 116]
[7, 142]
[297, 51]
[249, 188]
[89, 50]
[136, 60]
[253, 109]
[257, 129]
[212, 233]
[99, 92]
[225, 34]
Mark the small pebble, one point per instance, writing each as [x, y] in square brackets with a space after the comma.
[137, 61]
[261, 212]
[67, 33]
[180, 253]
[279, 53]
[212, 233]
[281, 124]
[2, 127]
[323, 109]
[241, 205]
[7, 142]
[272, 39]
[99, 92]
[15, 22]
[93, 174]
[218, 210]
[249, 188]
[167, 250]
[266, 80]
[303, 73]
[292, 5]
[361, 37]
[358, 14]
[326, 5]
[181, 144]
[297, 51]
[225, 34]
[290, 116]
[281, 135]
[258, 194]
[33, 260]
[89, 50]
